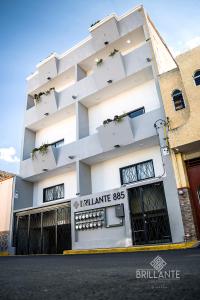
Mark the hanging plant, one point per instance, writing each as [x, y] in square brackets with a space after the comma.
[118, 119]
[105, 122]
[99, 62]
[43, 149]
[37, 97]
[94, 23]
[113, 52]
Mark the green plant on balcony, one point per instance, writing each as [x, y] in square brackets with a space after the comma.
[99, 62]
[37, 97]
[43, 149]
[113, 52]
[93, 24]
[118, 119]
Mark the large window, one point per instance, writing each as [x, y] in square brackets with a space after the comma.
[197, 77]
[53, 193]
[178, 100]
[136, 112]
[137, 172]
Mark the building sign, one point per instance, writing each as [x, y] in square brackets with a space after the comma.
[100, 199]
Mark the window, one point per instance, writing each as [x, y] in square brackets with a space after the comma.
[58, 144]
[178, 100]
[136, 113]
[53, 193]
[137, 172]
[197, 77]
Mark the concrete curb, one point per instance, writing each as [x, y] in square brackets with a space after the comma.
[186, 245]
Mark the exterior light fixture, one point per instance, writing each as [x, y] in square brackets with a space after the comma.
[117, 146]
[106, 42]
[77, 194]
[74, 97]
[128, 41]
[148, 59]
[46, 114]
[45, 170]
[109, 81]
[48, 78]
[71, 156]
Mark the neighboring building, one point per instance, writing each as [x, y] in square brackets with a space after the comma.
[93, 182]
[180, 89]
[6, 202]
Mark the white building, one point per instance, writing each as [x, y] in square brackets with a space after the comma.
[115, 175]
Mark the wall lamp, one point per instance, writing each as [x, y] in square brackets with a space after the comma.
[109, 81]
[117, 146]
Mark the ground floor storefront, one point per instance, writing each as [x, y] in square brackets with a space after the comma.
[124, 217]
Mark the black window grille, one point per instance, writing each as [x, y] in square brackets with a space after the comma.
[197, 77]
[179, 102]
[53, 193]
[136, 112]
[137, 172]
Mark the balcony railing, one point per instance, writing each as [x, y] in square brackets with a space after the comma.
[128, 132]
[111, 71]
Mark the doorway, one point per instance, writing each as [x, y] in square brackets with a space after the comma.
[193, 170]
[149, 216]
[44, 232]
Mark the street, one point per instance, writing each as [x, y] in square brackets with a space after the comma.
[100, 276]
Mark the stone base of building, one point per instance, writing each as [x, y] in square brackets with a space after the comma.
[4, 237]
[187, 215]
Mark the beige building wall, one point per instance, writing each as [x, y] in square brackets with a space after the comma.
[6, 195]
[184, 124]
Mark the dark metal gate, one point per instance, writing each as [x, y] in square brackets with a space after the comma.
[47, 231]
[149, 216]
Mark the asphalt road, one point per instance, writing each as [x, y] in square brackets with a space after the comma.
[100, 276]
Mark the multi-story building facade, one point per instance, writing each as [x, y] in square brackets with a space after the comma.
[100, 174]
[180, 89]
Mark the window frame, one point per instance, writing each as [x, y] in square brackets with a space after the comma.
[135, 110]
[54, 143]
[135, 165]
[172, 95]
[198, 76]
[50, 187]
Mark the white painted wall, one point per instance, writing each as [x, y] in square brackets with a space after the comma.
[105, 175]
[143, 95]
[69, 180]
[64, 129]
[6, 189]
[163, 57]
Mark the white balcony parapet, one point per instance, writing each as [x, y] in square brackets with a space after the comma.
[108, 30]
[131, 133]
[116, 134]
[111, 71]
[44, 161]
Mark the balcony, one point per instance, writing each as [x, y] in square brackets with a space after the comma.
[94, 148]
[43, 161]
[108, 30]
[111, 76]
[116, 133]
[46, 71]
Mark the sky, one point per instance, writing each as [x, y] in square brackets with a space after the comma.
[32, 29]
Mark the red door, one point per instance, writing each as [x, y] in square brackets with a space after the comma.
[193, 169]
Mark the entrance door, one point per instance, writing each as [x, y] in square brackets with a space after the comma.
[47, 232]
[193, 169]
[149, 217]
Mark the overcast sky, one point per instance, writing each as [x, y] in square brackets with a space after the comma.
[31, 29]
